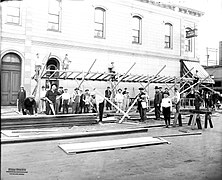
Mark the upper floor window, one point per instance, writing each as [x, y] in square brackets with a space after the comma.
[188, 41]
[168, 35]
[136, 30]
[99, 22]
[13, 13]
[54, 15]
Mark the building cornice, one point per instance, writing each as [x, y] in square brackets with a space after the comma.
[173, 7]
[96, 47]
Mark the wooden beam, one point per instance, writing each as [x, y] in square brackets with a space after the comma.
[111, 144]
[134, 102]
[83, 79]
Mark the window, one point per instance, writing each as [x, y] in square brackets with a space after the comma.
[99, 22]
[168, 35]
[54, 15]
[13, 13]
[188, 42]
[136, 30]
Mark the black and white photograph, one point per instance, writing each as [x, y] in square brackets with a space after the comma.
[111, 89]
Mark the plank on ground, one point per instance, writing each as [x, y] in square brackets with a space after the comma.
[111, 144]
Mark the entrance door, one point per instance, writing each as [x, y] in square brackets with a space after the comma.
[10, 79]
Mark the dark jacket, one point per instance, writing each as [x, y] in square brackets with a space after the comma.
[30, 104]
[198, 100]
[51, 95]
[21, 95]
[157, 99]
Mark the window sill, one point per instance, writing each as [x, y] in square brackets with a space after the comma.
[14, 24]
[98, 37]
[53, 30]
[137, 43]
[168, 48]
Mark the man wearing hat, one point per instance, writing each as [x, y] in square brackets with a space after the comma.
[197, 100]
[65, 101]
[30, 105]
[157, 102]
[119, 99]
[176, 101]
[108, 94]
[20, 99]
[87, 101]
[142, 104]
[76, 101]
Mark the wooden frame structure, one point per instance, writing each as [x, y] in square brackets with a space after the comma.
[126, 77]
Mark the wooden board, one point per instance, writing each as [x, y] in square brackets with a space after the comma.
[111, 144]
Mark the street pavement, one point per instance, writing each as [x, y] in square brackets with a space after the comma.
[186, 157]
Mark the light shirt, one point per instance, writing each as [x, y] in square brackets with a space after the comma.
[166, 102]
[43, 93]
[119, 98]
[176, 97]
[65, 96]
[99, 99]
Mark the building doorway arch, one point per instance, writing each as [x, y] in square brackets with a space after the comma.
[52, 64]
[10, 78]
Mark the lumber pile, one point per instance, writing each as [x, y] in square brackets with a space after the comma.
[48, 121]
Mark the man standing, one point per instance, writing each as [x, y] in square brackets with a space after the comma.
[119, 99]
[87, 101]
[108, 94]
[157, 102]
[30, 105]
[59, 100]
[65, 101]
[20, 99]
[142, 104]
[176, 101]
[51, 100]
[76, 101]
[197, 100]
[100, 106]
[42, 104]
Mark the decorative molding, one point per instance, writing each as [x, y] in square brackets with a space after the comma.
[174, 7]
[95, 47]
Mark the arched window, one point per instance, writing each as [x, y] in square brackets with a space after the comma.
[99, 22]
[168, 35]
[52, 64]
[136, 30]
[188, 41]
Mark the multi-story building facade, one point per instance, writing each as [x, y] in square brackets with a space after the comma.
[43, 33]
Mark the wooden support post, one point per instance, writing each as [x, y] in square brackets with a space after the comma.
[86, 73]
[134, 102]
[195, 84]
[190, 119]
[124, 75]
[126, 115]
[193, 123]
[179, 118]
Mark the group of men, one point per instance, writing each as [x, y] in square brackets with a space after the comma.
[163, 102]
[26, 104]
[56, 100]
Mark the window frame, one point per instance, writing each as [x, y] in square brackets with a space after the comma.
[14, 6]
[102, 24]
[52, 14]
[138, 30]
[188, 42]
[169, 36]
